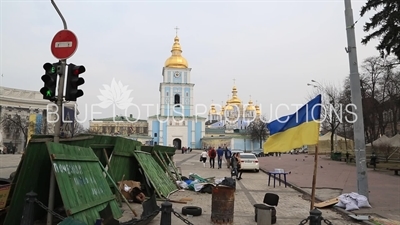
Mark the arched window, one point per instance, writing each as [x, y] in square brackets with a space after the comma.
[177, 99]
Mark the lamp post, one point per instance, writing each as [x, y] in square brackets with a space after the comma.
[316, 84]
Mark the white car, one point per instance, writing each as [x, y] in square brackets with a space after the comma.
[249, 162]
[237, 151]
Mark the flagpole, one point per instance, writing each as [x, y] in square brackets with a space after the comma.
[314, 180]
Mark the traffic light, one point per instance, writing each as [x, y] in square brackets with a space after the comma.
[50, 81]
[73, 81]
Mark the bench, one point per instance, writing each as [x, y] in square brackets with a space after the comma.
[396, 171]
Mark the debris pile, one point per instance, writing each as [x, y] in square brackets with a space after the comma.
[352, 201]
[203, 185]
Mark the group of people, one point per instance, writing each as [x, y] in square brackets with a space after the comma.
[232, 160]
[186, 150]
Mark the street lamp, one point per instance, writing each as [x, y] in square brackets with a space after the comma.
[332, 101]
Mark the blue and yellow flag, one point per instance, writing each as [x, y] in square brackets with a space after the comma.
[296, 130]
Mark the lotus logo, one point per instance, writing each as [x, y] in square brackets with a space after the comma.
[116, 94]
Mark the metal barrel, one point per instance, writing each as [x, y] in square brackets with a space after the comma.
[222, 205]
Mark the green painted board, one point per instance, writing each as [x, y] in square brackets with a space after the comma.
[83, 187]
[157, 176]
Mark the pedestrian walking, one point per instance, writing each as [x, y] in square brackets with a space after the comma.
[220, 154]
[228, 156]
[203, 157]
[239, 166]
[374, 160]
[212, 154]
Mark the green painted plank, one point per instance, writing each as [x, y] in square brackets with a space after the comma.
[82, 183]
[155, 174]
[102, 145]
[86, 206]
[58, 157]
[126, 154]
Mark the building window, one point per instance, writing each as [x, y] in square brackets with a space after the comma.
[167, 93]
[177, 99]
[187, 94]
[155, 134]
[138, 130]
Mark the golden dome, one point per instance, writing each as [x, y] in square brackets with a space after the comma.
[229, 107]
[235, 99]
[222, 111]
[250, 107]
[258, 110]
[213, 111]
[176, 60]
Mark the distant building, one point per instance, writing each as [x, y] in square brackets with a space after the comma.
[227, 126]
[22, 112]
[176, 124]
[121, 126]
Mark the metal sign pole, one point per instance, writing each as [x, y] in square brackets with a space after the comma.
[58, 123]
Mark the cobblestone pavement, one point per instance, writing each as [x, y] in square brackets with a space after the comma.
[334, 178]
[291, 210]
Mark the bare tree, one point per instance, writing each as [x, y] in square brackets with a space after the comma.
[78, 128]
[331, 116]
[346, 128]
[16, 125]
[257, 130]
[380, 88]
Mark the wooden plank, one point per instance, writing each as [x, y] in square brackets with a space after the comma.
[41, 140]
[81, 182]
[102, 145]
[60, 157]
[89, 205]
[326, 203]
[125, 154]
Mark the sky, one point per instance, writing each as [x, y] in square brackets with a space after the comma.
[272, 49]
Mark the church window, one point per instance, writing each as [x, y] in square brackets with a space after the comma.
[177, 99]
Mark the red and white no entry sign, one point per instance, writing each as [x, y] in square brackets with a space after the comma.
[64, 44]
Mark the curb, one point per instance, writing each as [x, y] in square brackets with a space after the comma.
[337, 209]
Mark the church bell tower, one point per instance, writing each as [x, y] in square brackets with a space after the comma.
[176, 90]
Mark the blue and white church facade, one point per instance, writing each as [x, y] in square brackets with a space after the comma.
[176, 124]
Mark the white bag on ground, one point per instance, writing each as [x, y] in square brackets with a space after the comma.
[352, 204]
[352, 201]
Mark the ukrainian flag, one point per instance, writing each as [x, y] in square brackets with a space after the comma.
[296, 130]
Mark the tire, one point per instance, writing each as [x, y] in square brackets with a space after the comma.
[191, 210]
[257, 171]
